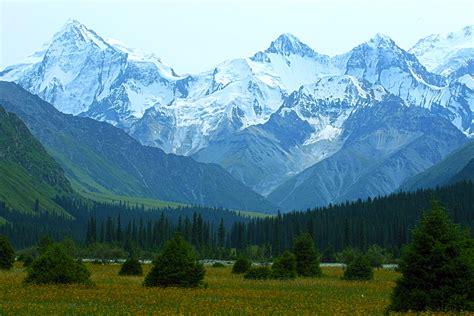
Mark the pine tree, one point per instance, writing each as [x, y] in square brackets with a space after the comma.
[307, 256]
[284, 267]
[56, 266]
[177, 265]
[7, 254]
[359, 269]
[241, 265]
[131, 266]
[437, 267]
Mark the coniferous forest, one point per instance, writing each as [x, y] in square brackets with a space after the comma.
[219, 233]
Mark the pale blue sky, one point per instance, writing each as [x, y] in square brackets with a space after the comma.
[193, 36]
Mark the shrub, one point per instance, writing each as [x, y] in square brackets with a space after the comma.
[218, 265]
[56, 266]
[177, 265]
[27, 261]
[376, 256]
[258, 273]
[437, 267]
[284, 267]
[359, 269]
[131, 266]
[307, 256]
[7, 254]
[242, 265]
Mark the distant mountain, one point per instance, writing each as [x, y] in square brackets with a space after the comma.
[384, 144]
[444, 54]
[28, 173]
[99, 157]
[265, 118]
[455, 167]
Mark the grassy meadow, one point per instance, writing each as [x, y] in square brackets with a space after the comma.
[226, 294]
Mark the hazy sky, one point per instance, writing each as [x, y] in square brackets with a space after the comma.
[195, 35]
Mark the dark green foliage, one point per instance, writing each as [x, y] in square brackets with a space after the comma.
[307, 256]
[329, 255]
[347, 255]
[218, 265]
[437, 267]
[131, 266]
[176, 266]
[376, 256]
[7, 254]
[27, 261]
[44, 243]
[55, 266]
[284, 267]
[258, 273]
[359, 269]
[241, 265]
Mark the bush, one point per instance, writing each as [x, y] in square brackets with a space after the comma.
[218, 265]
[242, 265]
[284, 267]
[376, 256]
[177, 265]
[437, 267]
[27, 261]
[7, 254]
[56, 266]
[307, 256]
[359, 269]
[131, 266]
[258, 273]
[347, 255]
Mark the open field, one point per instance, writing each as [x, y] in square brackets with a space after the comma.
[226, 294]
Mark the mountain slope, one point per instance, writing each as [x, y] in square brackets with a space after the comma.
[28, 173]
[444, 54]
[99, 157]
[384, 144]
[453, 167]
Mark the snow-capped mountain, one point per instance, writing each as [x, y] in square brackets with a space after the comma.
[444, 54]
[81, 73]
[265, 118]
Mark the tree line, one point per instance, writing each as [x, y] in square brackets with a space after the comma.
[219, 233]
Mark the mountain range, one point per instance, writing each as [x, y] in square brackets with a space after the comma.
[302, 128]
[98, 157]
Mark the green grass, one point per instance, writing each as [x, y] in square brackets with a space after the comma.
[113, 198]
[227, 294]
[19, 190]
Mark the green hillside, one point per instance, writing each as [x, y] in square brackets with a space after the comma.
[100, 158]
[27, 172]
[448, 170]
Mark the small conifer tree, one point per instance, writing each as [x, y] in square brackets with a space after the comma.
[307, 256]
[7, 254]
[359, 269]
[176, 266]
[56, 266]
[437, 267]
[284, 267]
[131, 266]
[241, 265]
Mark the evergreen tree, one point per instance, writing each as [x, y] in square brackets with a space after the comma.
[359, 269]
[437, 267]
[56, 266]
[307, 256]
[131, 267]
[177, 265]
[7, 254]
[284, 267]
[241, 265]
